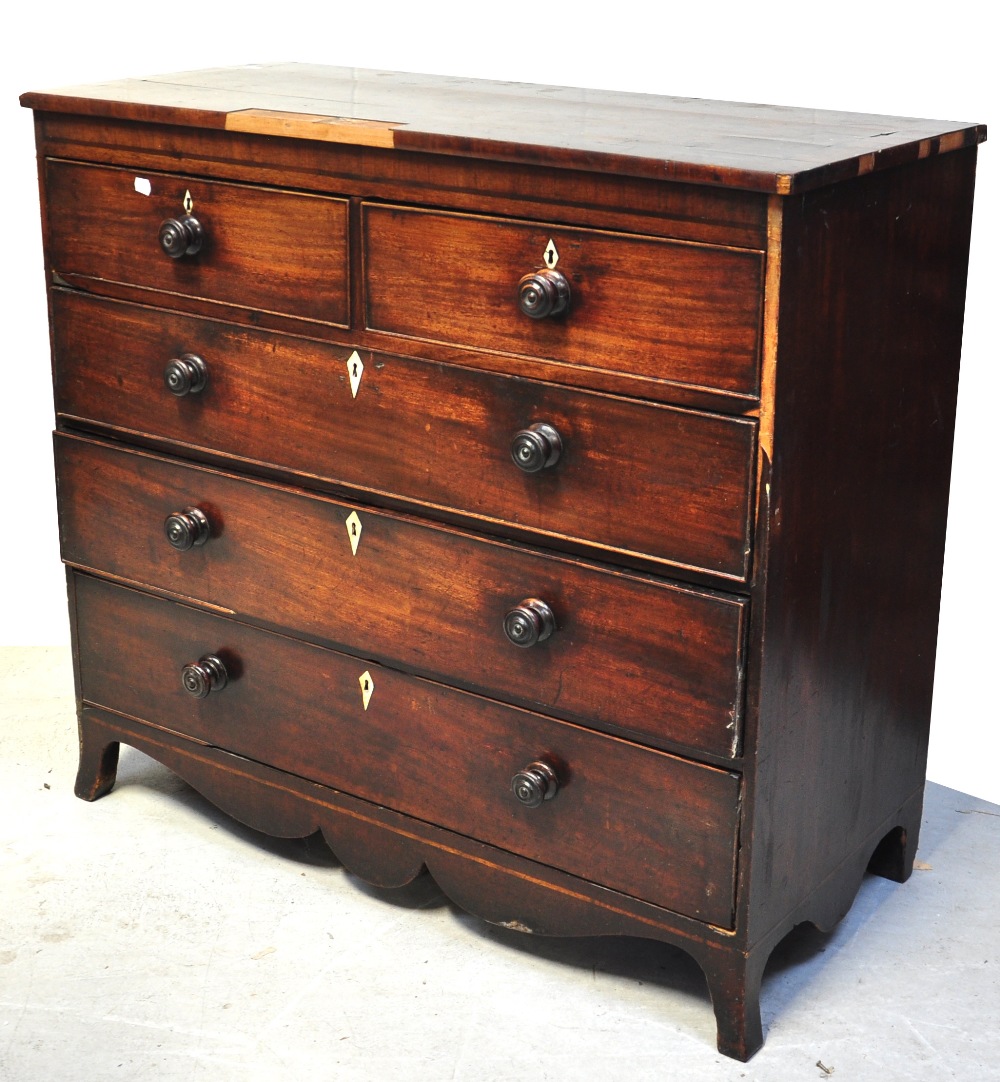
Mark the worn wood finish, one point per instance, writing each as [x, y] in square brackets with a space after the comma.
[676, 210]
[752, 391]
[390, 850]
[574, 196]
[684, 500]
[849, 602]
[759, 147]
[688, 313]
[426, 597]
[102, 228]
[428, 751]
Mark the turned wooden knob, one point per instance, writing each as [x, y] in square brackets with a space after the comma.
[536, 448]
[187, 528]
[181, 236]
[206, 674]
[186, 374]
[536, 783]
[530, 622]
[543, 293]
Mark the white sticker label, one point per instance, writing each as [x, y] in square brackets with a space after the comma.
[142, 186]
[355, 369]
[367, 687]
[353, 525]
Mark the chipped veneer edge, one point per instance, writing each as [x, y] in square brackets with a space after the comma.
[314, 126]
[951, 141]
[769, 348]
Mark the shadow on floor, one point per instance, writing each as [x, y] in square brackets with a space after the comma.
[792, 966]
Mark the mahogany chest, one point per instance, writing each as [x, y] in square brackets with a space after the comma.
[544, 488]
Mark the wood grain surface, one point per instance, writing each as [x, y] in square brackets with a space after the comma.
[759, 147]
[863, 425]
[426, 750]
[630, 654]
[264, 249]
[684, 312]
[634, 479]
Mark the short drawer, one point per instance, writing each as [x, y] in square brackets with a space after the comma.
[262, 248]
[649, 824]
[627, 654]
[682, 312]
[631, 478]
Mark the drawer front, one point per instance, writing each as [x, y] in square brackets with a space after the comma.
[628, 654]
[631, 478]
[686, 313]
[263, 248]
[639, 821]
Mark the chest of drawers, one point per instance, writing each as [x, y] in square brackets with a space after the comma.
[542, 488]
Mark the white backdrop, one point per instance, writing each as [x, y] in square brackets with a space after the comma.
[864, 57]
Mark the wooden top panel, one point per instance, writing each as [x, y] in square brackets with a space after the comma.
[763, 148]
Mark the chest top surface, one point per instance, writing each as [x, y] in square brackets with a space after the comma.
[764, 148]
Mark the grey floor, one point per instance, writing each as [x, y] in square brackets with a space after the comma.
[147, 936]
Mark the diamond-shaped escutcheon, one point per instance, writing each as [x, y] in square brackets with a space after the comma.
[367, 687]
[355, 370]
[353, 524]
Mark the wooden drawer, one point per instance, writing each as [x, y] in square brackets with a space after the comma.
[654, 826]
[634, 479]
[265, 249]
[682, 312]
[629, 654]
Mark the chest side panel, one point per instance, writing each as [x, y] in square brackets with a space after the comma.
[869, 338]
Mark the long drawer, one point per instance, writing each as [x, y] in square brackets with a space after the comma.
[631, 479]
[262, 248]
[640, 821]
[628, 653]
[687, 313]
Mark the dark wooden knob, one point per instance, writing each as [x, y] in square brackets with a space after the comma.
[532, 621]
[187, 528]
[186, 374]
[536, 448]
[536, 783]
[543, 293]
[206, 674]
[181, 236]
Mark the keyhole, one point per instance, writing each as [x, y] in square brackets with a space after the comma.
[355, 370]
[354, 530]
[366, 685]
